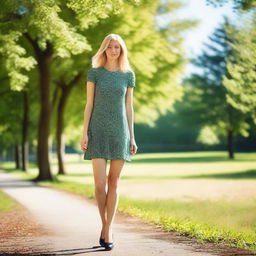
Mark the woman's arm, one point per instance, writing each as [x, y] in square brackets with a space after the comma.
[129, 110]
[130, 118]
[90, 87]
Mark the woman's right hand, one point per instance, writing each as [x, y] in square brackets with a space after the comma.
[84, 143]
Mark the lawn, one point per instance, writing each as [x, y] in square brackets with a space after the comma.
[231, 222]
[7, 203]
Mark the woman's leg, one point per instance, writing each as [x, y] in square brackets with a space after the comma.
[112, 195]
[99, 171]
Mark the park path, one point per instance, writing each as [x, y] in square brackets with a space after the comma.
[75, 223]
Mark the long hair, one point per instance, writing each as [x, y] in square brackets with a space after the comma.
[100, 58]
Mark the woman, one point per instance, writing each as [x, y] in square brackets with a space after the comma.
[108, 126]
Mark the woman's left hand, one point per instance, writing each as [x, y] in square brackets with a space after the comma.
[133, 147]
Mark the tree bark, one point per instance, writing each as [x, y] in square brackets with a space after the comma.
[25, 126]
[17, 156]
[45, 115]
[230, 144]
[44, 58]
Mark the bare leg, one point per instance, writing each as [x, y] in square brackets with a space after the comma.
[112, 195]
[99, 171]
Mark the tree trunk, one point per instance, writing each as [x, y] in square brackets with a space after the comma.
[44, 59]
[17, 156]
[230, 144]
[25, 124]
[60, 128]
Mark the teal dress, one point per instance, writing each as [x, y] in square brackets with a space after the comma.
[108, 130]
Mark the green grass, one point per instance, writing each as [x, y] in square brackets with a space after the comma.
[246, 174]
[220, 221]
[7, 203]
[231, 223]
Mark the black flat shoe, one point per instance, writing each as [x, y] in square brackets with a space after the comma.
[102, 241]
[109, 245]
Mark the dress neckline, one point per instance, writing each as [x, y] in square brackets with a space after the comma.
[110, 70]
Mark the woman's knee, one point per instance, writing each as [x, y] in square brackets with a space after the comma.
[100, 186]
[113, 181]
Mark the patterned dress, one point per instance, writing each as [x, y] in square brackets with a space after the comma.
[108, 130]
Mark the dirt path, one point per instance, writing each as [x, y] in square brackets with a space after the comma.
[20, 232]
[74, 226]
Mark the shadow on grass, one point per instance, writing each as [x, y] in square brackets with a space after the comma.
[201, 159]
[250, 174]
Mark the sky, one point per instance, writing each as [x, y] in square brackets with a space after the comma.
[209, 18]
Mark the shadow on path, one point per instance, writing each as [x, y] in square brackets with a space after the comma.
[73, 251]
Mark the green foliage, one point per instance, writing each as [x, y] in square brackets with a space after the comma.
[213, 108]
[241, 83]
[158, 58]
[45, 22]
[208, 136]
[15, 62]
[238, 4]
[96, 10]
[10, 118]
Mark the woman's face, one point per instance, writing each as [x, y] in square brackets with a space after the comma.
[113, 50]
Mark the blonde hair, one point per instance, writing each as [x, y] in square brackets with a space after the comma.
[100, 58]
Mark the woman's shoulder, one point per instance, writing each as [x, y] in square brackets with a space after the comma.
[129, 72]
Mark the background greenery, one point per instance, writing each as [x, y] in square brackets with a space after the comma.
[45, 52]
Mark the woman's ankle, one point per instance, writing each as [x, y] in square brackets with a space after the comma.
[109, 234]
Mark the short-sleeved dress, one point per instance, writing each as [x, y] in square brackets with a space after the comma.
[108, 130]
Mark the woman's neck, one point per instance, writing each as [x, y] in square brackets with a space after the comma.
[111, 65]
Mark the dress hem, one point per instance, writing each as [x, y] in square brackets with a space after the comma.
[108, 158]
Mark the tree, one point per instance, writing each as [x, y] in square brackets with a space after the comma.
[217, 112]
[241, 82]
